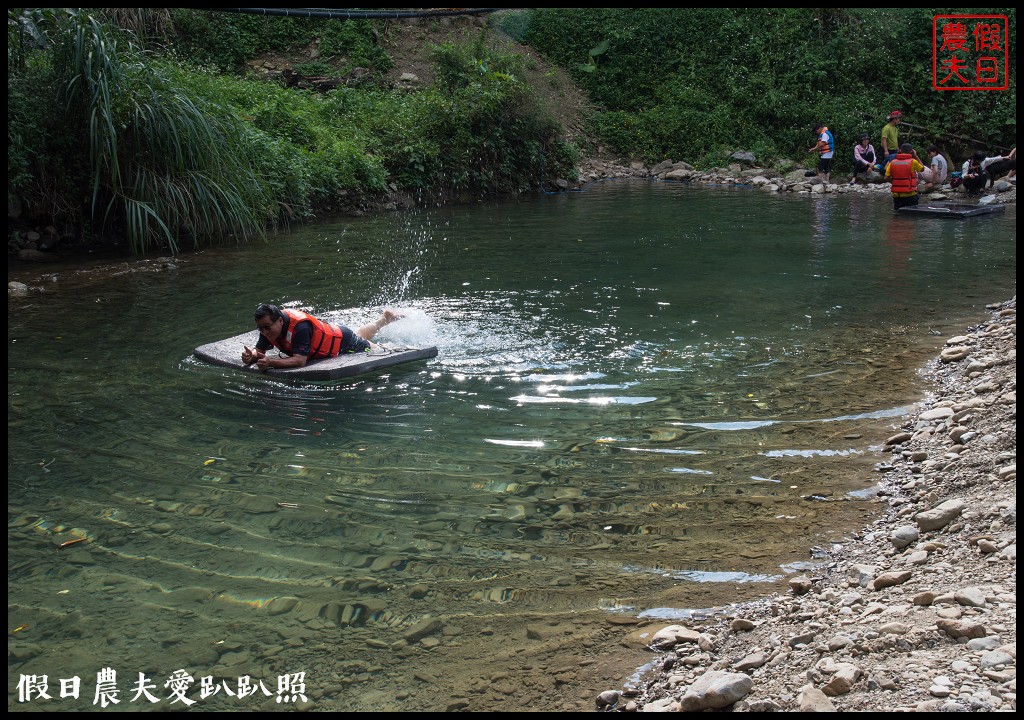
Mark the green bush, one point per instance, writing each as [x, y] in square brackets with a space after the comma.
[353, 44]
[228, 40]
[315, 69]
[310, 151]
[497, 140]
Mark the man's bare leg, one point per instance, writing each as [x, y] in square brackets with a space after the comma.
[366, 332]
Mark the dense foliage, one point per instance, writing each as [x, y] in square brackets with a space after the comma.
[697, 84]
[160, 150]
[227, 41]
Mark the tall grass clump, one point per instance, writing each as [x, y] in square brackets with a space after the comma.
[162, 164]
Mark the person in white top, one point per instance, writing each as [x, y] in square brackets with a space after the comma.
[937, 171]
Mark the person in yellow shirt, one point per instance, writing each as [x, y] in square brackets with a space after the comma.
[891, 136]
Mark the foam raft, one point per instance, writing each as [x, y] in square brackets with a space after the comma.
[229, 354]
[950, 210]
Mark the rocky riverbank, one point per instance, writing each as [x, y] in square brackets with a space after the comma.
[916, 612]
[787, 178]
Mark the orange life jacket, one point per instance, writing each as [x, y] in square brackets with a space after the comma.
[830, 142]
[901, 170]
[326, 340]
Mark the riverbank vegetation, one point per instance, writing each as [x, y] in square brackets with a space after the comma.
[154, 126]
[698, 84]
[166, 142]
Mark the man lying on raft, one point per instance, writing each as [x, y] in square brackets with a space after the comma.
[302, 337]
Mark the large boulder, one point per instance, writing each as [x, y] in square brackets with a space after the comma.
[744, 156]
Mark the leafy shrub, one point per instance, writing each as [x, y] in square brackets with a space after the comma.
[496, 138]
[355, 42]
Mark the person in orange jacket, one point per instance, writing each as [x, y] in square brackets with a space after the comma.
[302, 337]
[903, 171]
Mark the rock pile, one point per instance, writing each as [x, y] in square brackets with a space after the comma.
[766, 179]
[916, 612]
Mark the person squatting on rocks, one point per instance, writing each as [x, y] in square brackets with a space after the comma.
[864, 158]
[937, 172]
[972, 175]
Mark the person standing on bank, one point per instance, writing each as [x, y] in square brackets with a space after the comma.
[825, 147]
[903, 170]
[302, 337]
[891, 136]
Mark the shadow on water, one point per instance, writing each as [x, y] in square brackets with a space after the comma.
[649, 400]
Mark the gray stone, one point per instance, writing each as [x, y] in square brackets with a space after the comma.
[842, 682]
[750, 662]
[961, 628]
[902, 536]
[970, 597]
[674, 634]
[889, 579]
[939, 413]
[939, 517]
[422, 629]
[715, 689]
[811, 699]
[992, 658]
[607, 699]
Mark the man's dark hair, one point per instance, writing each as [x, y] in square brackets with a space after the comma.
[933, 148]
[906, 148]
[264, 310]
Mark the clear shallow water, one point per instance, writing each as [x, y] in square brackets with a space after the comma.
[645, 396]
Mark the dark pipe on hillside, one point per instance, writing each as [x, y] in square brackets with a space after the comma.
[332, 14]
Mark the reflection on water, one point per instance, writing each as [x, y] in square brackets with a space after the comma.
[645, 396]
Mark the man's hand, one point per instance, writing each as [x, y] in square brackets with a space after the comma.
[264, 362]
[249, 355]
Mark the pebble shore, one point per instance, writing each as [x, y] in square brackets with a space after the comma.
[916, 613]
[771, 180]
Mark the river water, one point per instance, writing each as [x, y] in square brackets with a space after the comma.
[649, 400]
